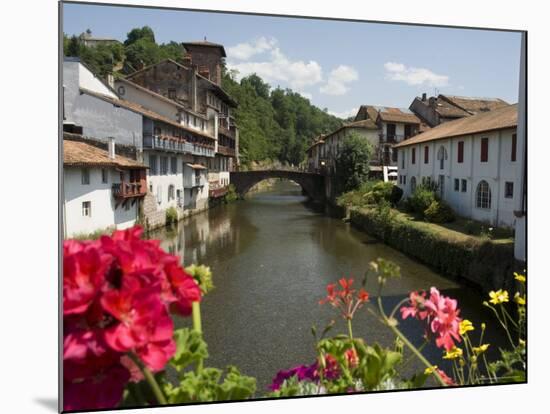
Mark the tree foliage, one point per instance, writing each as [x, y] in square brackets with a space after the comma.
[352, 164]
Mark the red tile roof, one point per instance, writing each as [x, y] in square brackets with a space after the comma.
[78, 153]
[505, 117]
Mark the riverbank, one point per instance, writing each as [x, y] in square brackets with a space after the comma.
[488, 264]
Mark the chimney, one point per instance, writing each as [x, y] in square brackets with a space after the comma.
[111, 80]
[111, 147]
[424, 97]
[433, 101]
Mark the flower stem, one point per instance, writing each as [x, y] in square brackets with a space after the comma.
[414, 350]
[197, 326]
[150, 378]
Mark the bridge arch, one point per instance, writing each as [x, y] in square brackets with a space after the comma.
[312, 184]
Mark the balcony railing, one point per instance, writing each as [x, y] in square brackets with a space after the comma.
[226, 150]
[128, 190]
[222, 129]
[159, 143]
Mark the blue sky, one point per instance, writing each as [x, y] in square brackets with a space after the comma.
[337, 65]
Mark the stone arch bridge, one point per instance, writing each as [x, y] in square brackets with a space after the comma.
[313, 184]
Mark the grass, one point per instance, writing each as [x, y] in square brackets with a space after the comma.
[93, 235]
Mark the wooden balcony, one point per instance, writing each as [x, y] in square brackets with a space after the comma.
[228, 151]
[130, 188]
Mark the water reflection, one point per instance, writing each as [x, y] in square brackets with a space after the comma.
[272, 258]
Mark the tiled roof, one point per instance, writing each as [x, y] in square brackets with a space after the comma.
[365, 123]
[206, 43]
[141, 110]
[370, 110]
[474, 105]
[505, 117]
[388, 114]
[78, 153]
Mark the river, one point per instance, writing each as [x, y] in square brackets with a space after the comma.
[272, 257]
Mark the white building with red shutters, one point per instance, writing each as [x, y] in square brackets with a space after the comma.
[476, 161]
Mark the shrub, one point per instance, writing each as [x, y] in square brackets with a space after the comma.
[231, 194]
[171, 216]
[421, 199]
[439, 212]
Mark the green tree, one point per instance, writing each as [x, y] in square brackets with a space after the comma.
[143, 33]
[352, 164]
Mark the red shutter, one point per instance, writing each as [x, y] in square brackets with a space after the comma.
[426, 153]
[484, 149]
[514, 146]
[414, 155]
[460, 151]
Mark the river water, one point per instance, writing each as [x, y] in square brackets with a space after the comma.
[272, 257]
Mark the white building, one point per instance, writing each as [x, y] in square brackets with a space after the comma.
[101, 189]
[476, 162]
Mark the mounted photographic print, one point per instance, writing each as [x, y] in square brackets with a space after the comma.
[260, 207]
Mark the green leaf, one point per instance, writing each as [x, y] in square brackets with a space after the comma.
[190, 348]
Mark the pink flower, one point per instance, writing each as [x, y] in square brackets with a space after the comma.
[441, 315]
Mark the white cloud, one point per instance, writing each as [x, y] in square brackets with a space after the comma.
[306, 95]
[414, 76]
[344, 114]
[276, 67]
[338, 80]
[244, 51]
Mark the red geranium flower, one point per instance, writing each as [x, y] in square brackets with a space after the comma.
[346, 299]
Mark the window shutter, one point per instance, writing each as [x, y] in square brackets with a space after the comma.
[484, 149]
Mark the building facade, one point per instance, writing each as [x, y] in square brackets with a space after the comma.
[101, 189]
[475, 162]
[196, 86]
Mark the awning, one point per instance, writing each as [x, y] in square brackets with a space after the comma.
[197, 166]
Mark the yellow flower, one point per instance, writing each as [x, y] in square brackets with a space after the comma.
[520, 300]
[480, 349]
[500, 296]
[465, 326]
[454, 353]
[519, 277]
[430, 370]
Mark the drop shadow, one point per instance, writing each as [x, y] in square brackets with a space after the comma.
[49, 403]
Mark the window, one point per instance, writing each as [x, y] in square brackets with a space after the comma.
[484, 149]
[173, 165]
[400, 179]
[426, 154]
[413, 184]
[394, 154]
[403, 159]
[85, 176]
[460, 158]
[404, 180]
[121, 90]
[172, 93]
[157, 131]
[514, 146]
[442, 156]
[483, 195]
[87, 209]
[153, 164]
[509, 189]
[457, 184]
[164, 165]
[413, 158]
[170, 192]
[464, 185]
[104, 176]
